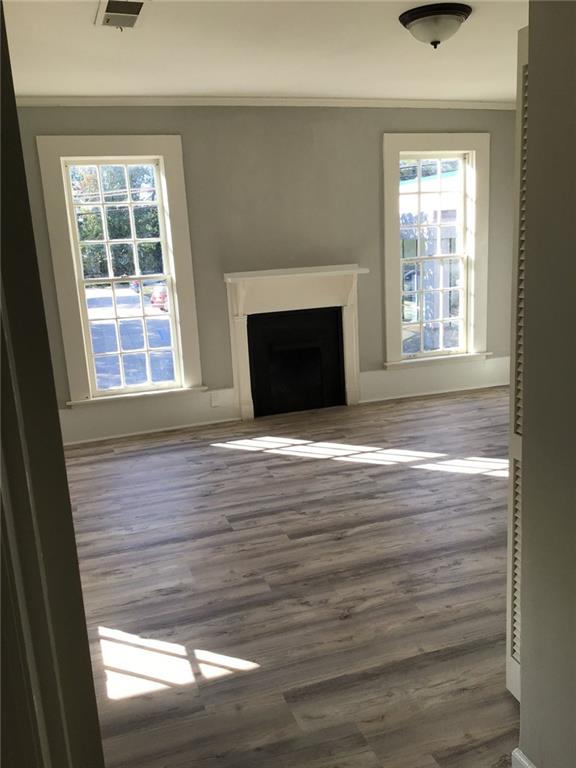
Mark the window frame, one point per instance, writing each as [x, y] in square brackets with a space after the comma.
[476, 148]
[55, 154]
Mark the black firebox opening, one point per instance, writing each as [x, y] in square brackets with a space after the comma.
[296, 360]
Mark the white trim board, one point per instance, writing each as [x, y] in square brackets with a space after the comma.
[519, 760]
[255, 101]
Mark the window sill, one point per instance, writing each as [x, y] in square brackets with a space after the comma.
[134, 396]
[417, 362]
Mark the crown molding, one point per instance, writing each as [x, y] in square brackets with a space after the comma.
[254, 101]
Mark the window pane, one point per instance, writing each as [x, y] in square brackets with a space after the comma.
[89, 222]
[410, 277]
[155, 297]
[408, 209]
[431, 337]
[114, 183]
[451, 304]
[428, 241]
[162, 366]
[410, 308]
[408, 175]
[107, 371]
[118, 220]
[104, 337]
[448, 237]
[449, 207]
[94, 260]
[122, 259]
[146, 221]
[142, 182]
[99, 301]
[408, 242]
[135, 369]
[84, 183]
[158, 330]
[429, 207]
[411, 340]
[451, 174]
[131, 334]
[430, 178]
[432, 271]
[452, 335]
[150, 258]
[452, 273]
[127, 296]
[432, 303]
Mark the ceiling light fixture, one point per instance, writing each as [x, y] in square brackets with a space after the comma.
[434, 24]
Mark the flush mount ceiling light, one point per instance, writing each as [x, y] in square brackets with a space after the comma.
[434, 24]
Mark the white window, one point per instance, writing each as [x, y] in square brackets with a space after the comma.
[436, 223]
[120, 243]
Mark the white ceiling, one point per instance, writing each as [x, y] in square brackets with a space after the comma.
[341, 50]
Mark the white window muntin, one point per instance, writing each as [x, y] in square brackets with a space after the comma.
[476, 148]
[460, 255]
[167, 275]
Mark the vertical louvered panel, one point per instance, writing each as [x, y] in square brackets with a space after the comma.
[516, 574]
[518, 383]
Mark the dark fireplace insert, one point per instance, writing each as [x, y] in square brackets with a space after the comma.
[296, 360]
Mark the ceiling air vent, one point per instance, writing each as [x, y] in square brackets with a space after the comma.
[119, 13]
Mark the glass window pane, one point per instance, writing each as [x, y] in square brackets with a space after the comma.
[158, 329]
[94, 260]
[449, 207]
[410, 340]
[142, 182]
[408, 176]
[448, 239]
[429, 208]
[432, 304]
[84, 183]
[122, 259]
[114, 183]
[452, 273]
[410, 277]
[431, 336]
[452, 176]
[128, 299]
[451, 304]
[410, 308]
[150, 258]
[134, 369]
[155, 297]
[89, 222]
[99, 301]
[107, 371]
[408, 242]
[103, 337]
[428, 241]
[452, 335]
[162, 366]
[131, 334]
[409, 209]
[146, 221]
[118, 220]
[432, 274]
[430, 177]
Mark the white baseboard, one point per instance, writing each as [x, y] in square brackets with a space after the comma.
[519, 760]
[445, 376]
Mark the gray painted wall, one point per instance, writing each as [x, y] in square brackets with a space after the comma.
[280, 187]
[548, 671]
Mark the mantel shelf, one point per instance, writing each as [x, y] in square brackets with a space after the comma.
[267, 274]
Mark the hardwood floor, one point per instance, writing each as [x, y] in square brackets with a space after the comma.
[302, 611]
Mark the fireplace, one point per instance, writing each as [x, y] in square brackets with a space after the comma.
[296, 360]
[301, 372]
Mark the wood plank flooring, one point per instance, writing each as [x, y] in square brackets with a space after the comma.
[250, 607]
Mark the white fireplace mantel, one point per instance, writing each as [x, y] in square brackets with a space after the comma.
[280, 290]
